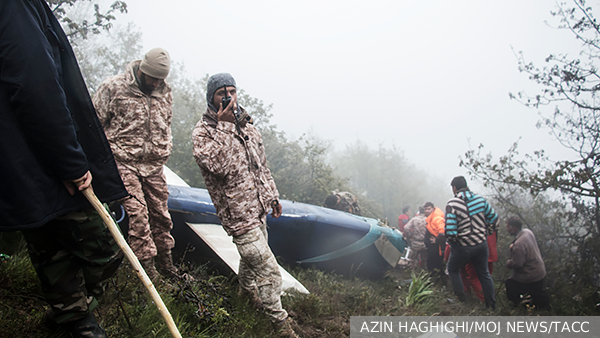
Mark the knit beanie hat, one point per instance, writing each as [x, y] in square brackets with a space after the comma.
[214, 83]
[156, 63]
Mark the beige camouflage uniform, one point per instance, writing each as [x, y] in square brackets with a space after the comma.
[414, 231]
[347, 203]
[242, 189]
[138, 128]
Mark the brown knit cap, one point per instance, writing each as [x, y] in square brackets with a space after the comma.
[156, 63]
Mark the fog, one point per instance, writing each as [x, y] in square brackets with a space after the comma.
[429, 77]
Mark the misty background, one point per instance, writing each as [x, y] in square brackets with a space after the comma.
[382, 100]
[430, 77]
[399, 88]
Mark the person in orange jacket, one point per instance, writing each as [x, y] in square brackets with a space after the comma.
[435, 240]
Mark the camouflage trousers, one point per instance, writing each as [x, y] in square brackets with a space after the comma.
[150, 224]
[74, 256]
[259, 272]
[418, 256]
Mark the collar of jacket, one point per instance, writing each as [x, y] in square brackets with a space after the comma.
[134, 84]
[518, 234]
[462, 194]
[210, 117]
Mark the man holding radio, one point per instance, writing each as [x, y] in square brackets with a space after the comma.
[230, 153]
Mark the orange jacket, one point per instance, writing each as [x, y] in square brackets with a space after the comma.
[435, 222]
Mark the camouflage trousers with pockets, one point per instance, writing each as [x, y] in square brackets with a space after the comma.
[150, 224]
[259, 272]
[74, 256]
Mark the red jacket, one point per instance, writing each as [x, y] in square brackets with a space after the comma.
[402, 220]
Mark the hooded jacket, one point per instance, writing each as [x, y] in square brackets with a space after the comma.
[138, 126]
[234, 167]
[48, 126]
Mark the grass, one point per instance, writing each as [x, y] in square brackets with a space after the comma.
[420, 288]
[211, 307]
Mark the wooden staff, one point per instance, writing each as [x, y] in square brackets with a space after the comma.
[114, 230]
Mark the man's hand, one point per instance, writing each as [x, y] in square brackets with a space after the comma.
[277, 209]
[81, 183]
[226, 113]
[509, 264]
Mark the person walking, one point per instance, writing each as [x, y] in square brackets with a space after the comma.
[469, 220]
[230, 153]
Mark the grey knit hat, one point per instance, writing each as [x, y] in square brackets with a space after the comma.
[214, 83]
[156, 63]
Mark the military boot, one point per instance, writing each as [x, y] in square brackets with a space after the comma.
[86, 327]
[148, 265]
[284, 328]
[165, 265]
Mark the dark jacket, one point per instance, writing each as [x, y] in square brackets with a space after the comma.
[49, 130]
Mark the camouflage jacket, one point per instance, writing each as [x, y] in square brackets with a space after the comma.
[234, 167]
[137, 126]
[415, 231]
[347, 203]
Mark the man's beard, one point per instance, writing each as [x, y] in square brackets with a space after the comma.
[144, 87]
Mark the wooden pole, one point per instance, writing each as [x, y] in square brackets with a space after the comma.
[114, 230]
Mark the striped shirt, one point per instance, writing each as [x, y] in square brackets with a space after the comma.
[469, 219]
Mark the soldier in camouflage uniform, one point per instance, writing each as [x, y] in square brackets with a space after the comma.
[135, 109]
[343, 201]
[230, 153]
[52, 143]
[414, 231]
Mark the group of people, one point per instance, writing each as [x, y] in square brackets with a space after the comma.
[58, 141]
[462, 243]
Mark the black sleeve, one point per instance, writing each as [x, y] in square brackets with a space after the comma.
[31, 80]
